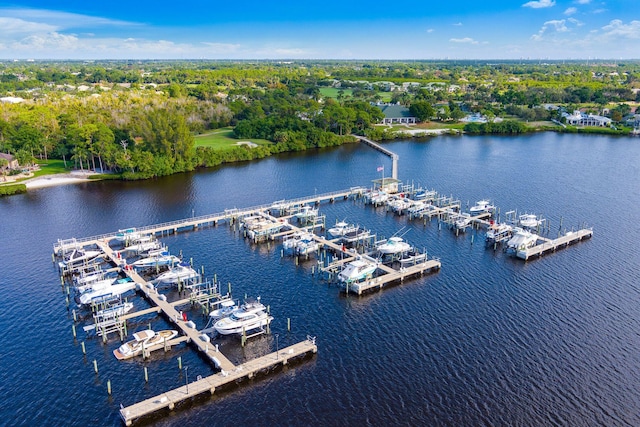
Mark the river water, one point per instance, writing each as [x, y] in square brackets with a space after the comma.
[488, 340]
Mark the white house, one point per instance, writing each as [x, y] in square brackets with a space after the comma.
[579, 118]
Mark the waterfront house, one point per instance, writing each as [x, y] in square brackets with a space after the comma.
[12, 163]
[396, 114]
[579, 118]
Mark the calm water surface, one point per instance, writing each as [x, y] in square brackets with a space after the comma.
[488, 340]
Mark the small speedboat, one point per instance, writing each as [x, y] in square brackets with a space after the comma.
[79, 256]
[357, 270]
[116, 310]
[529, 221]
[143, 340]
[157, 260]
[127, 235]
[225, 309]
[482, 206]
[342, 228]
[307, 212]
[412, 257]
[462, 221]
[249, 316]
[394, 245]
[498, 232]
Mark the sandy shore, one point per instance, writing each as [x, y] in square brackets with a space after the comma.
[59, 179]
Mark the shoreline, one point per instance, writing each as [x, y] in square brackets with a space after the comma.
[57, 179]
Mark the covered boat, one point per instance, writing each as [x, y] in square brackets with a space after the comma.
[521, 240]
[249, 316]
[357, 270]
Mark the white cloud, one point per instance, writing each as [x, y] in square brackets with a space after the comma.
[60, 20]
[464, 40]
[457, 24]
[559, 25]
[539, 4]
[617, 29]
[575, 22]
[583, 1]
[570, 11]
[10, 25]
[46, 43]
[430, 30]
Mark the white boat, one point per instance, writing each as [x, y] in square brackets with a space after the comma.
[521, 240]
[394, 245]
[342, 228]
[462, 221]
[79, 256]
[357, 270]
[529, 221]
[127, 235]
[418, 208]
[90, 277]
[116, 310]
[399, 205]
[481, 206]
[498, 232]
[306, 245]
[249, 316]
[225, 309]
[117, 288]
[307, 212]
[180, 273]
[291, 242]
[412, 257]
[96, 285]
[378, 197]
[143, 340]
[140, 247]
[157, 260]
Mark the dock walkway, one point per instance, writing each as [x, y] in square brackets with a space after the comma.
[553, 244]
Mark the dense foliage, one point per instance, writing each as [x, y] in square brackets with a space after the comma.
[138, 119]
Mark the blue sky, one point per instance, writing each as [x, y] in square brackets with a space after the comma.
[537, 29]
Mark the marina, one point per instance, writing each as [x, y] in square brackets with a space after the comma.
[528, 320]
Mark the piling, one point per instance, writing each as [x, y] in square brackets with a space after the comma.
[288, 324]
[109, 387]
[95, 366]
[84, 350]
[73, 329]
[180, 363]
[146, 375]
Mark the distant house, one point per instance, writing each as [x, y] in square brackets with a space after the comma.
[396, 114]
[633, 120]
[579, 118]
[12, 162]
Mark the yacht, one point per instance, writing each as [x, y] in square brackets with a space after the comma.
[394, 245]
[249, 316]
[179, 273]
[116, 288]
[482, 206]
[521, 240]
[156, 260]
[143, 340]
[498, 232]
[341, 229]
[357, 270]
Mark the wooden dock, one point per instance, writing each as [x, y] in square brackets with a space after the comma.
[550, 245]
[169, 399]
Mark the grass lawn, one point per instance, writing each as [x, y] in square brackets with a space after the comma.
[51, 167]
[222, 139]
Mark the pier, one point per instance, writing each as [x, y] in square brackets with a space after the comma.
[380, 148]
[550, 245]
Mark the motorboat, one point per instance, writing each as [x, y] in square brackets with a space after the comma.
[225, 309]
[341, 229]
[357, 270]
[412, 257]
[115, 310]
[378, 197]
[179, 273]
[393, 245]
[418, 208]
[79, 256]
[116, 288]
[127, 235]
[162, 259]
[306, 213]
[529, 221]
[400, 205]
[498, 232]
[481, 206]
[291, 242]
[306, 245]
[143, 340]
[89, 277]
[249, 316]
[95, 285]
[142, 246]
[522, 239]
[462, 221]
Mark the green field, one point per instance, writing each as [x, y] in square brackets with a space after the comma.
[222, 139]
[51, 167]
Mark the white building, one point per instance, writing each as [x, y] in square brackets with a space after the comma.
[579, 118]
